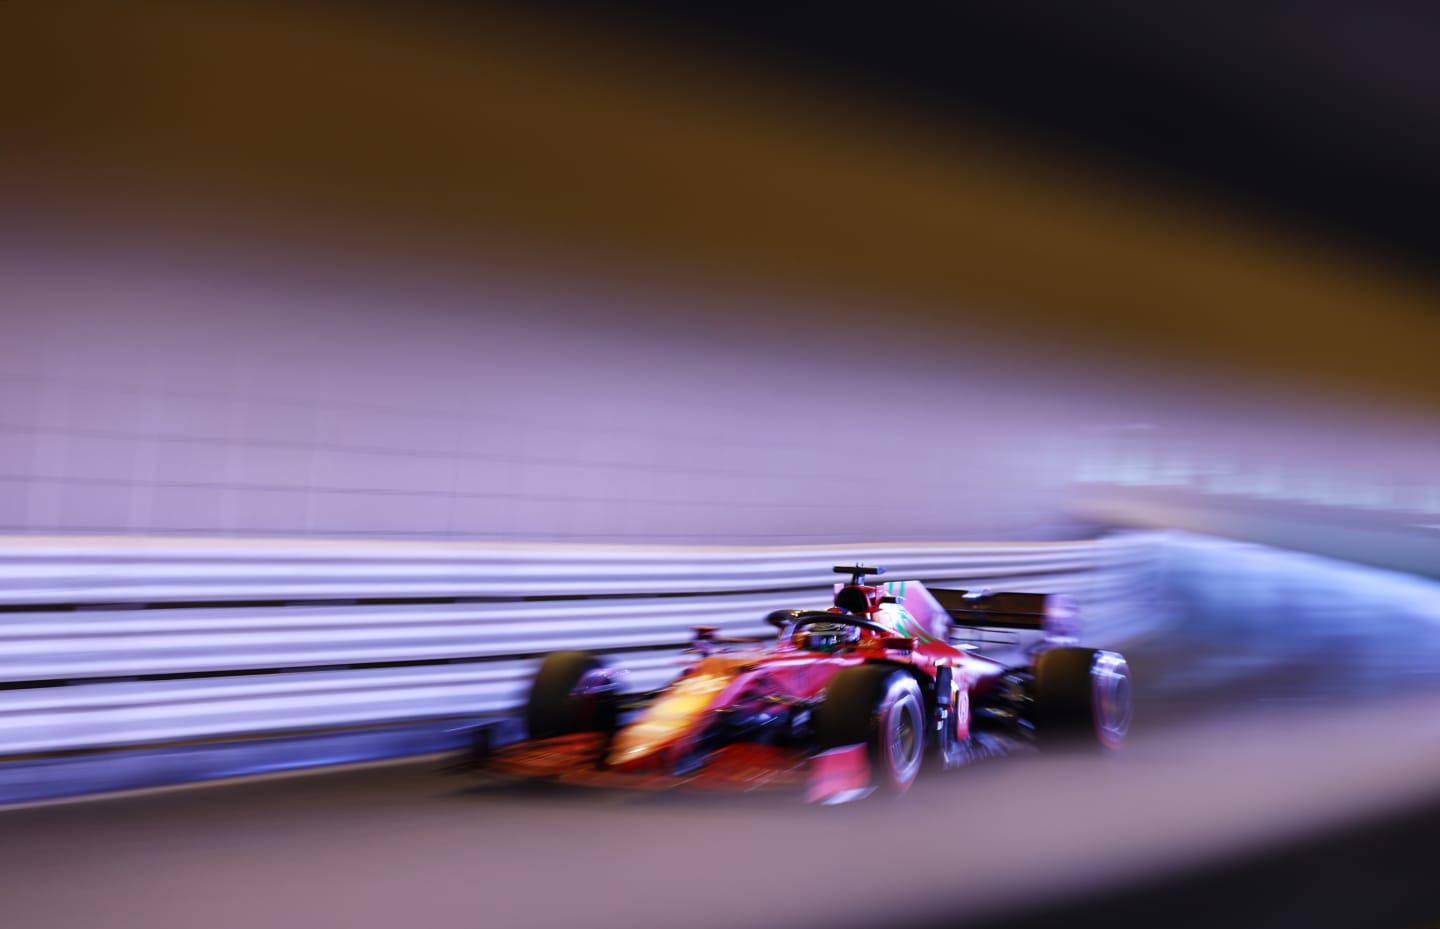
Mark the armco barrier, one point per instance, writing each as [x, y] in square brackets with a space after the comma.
[118, 570]
[116, 642]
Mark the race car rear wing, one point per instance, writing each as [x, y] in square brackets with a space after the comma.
[974, 611]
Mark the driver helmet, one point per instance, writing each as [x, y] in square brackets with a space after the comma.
[828, 637]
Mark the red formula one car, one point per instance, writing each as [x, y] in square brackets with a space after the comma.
[841, 702]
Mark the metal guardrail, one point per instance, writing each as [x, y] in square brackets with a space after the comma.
[118, 570]
[107, 643]
[115, 714]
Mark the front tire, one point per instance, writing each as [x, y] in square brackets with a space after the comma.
[881, 708]
[558, 704]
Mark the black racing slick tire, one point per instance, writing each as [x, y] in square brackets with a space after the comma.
[1082, 698]
[554, 707]
[883, 709]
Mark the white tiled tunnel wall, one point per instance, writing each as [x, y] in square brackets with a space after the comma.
[137, 400]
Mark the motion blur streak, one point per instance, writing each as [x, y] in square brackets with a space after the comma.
[461, 271]
[1269, 655]
[376, 849]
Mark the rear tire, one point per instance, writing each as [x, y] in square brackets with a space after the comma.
[882, 709]
[1082, 698]
[554, 708]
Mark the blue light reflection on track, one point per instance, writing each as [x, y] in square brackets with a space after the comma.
[1251, 623]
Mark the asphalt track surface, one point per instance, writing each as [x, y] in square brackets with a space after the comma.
[1283, 771]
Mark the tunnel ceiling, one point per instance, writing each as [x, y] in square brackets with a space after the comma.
[1324, 116]
[479, 129]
